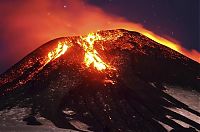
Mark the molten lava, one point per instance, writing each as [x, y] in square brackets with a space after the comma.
[91, 54]
[57, 52]
[103, 56]
[37, 14]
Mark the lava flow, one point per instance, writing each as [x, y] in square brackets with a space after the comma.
[57, 52]
[76, 75]
[104, 54]
[91, 55]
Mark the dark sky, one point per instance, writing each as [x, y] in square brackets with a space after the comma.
[26, 24]
[178, 19]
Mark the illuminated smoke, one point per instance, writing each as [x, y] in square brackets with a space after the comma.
[28, 24]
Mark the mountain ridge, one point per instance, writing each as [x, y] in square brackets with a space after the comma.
[131, 85]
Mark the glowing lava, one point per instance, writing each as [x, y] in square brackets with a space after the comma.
[37, 14]
[57, 52]
[91, 54]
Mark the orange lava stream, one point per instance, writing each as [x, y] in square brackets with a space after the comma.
[36, 14]
[57, 52]
[91, 55]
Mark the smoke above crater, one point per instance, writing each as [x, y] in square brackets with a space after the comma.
[25, 25]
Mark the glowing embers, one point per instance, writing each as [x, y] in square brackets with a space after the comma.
[57, 52]
[91, 54]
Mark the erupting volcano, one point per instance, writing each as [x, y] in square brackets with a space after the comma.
[112, 80]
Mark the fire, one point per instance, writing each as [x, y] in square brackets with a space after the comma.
[30, 16]
[57, 52]
[91, 54]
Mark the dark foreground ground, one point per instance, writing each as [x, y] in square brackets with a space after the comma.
[12, 120]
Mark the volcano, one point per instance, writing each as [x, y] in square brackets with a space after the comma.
[113, 80]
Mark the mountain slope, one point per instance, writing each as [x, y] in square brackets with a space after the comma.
[111, 80]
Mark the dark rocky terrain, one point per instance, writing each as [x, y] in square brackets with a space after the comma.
[81, 98]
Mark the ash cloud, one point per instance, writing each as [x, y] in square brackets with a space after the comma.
[25, 25]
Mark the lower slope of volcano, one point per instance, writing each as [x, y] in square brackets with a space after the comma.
[109, 81]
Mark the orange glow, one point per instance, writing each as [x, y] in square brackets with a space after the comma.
[163, 41]
[192, 54]
[91, 55]
[57, 52]
[38, 23]
[171, 43]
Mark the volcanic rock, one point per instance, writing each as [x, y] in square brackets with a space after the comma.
[129, 96]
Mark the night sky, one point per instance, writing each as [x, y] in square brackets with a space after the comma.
[178, 19]
[25, 25]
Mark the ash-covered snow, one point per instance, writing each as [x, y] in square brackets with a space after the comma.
[12, 121]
